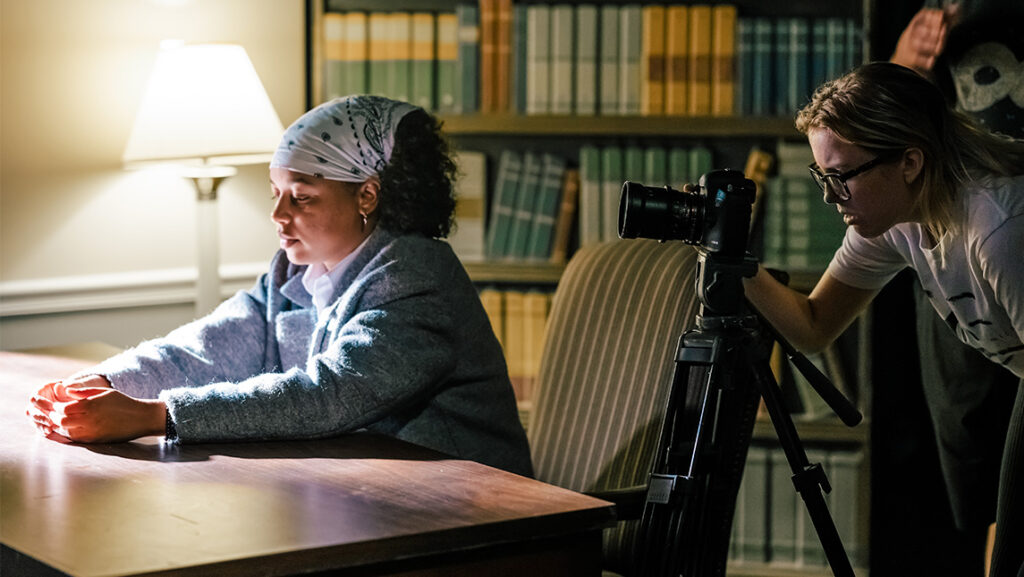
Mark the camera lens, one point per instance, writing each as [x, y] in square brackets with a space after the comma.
[660, 213]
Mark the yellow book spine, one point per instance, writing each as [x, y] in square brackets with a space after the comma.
[503, 59]
[488, 54]
[535, 316]
[495, 308]
[515, 343]
[699, 69]
[677, 55]
[652, 97]
[723, 60]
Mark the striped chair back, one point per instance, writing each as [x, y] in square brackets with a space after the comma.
[615, 322]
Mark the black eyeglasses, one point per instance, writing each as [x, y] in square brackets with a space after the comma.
[834, 183]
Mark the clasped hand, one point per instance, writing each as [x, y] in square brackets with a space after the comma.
[89, 410]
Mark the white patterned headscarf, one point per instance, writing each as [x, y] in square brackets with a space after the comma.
[348, 139]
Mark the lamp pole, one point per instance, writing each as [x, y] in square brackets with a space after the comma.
[206, 183]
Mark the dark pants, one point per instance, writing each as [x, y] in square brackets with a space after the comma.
[970, 400]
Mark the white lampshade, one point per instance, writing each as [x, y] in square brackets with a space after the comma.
[204, 103]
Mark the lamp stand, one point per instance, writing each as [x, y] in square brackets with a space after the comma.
[208, 243]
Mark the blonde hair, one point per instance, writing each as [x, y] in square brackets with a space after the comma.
[886, 109]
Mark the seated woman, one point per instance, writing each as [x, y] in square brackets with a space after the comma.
[364, 322]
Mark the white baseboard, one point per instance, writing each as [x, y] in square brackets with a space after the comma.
[116, 290]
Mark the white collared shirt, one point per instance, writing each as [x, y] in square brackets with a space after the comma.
[321, 283]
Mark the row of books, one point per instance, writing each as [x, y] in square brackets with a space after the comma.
[586, 59]
[519, 319]
[781, 61]
[603, 171]
[771, 524]
[801, 232]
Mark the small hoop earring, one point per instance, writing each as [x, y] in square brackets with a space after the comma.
[363, 215]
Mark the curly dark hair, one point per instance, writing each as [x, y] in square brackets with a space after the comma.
[416, 187]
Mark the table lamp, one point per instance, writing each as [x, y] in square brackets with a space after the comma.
[204, 112]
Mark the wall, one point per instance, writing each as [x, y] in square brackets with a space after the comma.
[89, 251]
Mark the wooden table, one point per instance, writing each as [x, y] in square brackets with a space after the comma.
[352, 505]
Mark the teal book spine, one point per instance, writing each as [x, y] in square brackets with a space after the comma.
[799, 64]
[835, 41]
[745, 66]
[611, 190]
[761, 97]
[545, 212]
[467, 77]
[608, 74]
[503, 204]
[526, 201]
[589, 203]
[519, 60]
[633, 164]
[782, 48]
[587, 88]
[854, 44]
[819, 53]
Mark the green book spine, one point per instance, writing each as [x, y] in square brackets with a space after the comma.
[526, 201]
[503, 204]
[611, 190]
[589, 211]
[655, 173]
[678, 167]
[545, 211]
[701, 162]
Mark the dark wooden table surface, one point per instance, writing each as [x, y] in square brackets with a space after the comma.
[352, 505]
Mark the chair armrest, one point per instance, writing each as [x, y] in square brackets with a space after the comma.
[629, 501]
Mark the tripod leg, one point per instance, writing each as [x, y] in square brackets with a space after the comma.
[696, 473]
[809, 480]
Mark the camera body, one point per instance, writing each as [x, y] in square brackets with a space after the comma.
[716, 216]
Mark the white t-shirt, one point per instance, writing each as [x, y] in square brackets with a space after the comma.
[974, 279]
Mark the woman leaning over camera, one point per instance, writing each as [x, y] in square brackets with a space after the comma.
[918, 185]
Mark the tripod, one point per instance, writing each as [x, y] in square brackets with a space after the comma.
[708, 424]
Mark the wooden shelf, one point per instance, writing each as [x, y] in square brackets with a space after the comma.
[514, 272]
[766, 570]
[709, 127]
[827, 430]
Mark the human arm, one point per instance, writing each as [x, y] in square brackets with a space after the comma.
[924, 39]
[385, 349]
[808, 322]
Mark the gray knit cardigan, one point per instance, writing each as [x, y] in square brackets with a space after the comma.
[405, 349]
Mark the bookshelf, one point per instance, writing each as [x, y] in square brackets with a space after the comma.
[729, 137]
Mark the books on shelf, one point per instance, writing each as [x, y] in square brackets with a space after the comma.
[467, 239]
[801, 233]
[527, 207]
[771, 524]
[519, 320]
[497, 56]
